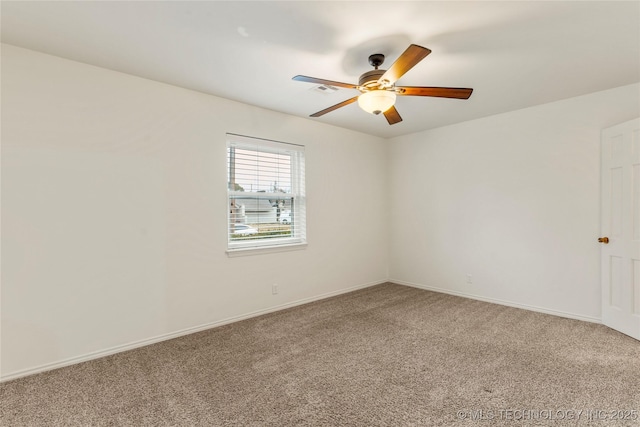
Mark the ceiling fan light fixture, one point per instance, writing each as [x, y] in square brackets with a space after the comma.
[377, 101]
[378, 89]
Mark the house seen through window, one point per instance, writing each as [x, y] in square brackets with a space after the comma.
[266, 203]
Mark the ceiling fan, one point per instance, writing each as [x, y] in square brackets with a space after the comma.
[378, 86]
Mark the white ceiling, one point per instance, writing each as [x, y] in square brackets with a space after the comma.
[514, 54]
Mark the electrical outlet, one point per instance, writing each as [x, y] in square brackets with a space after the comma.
[469, 281]
[274, 289]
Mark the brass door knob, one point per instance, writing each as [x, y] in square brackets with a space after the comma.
[604, 240]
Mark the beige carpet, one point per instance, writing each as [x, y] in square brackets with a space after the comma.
[388, 355]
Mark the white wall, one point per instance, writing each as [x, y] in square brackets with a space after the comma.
[114, 212]
[511, 199]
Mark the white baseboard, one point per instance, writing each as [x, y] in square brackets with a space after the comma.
[501, 302]
[164, 337]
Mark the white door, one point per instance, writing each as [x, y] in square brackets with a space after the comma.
[620, 256]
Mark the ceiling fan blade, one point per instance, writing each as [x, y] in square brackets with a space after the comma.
[440, 92]
[323, 82]
[392, 115]
[405, 62]
[334, 107]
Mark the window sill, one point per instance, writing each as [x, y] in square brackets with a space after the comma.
[236, 252]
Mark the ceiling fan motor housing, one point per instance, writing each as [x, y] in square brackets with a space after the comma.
[370, 78]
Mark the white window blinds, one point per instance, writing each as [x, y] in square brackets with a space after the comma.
[266, 193]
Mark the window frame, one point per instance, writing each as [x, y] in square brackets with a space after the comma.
[298, 238]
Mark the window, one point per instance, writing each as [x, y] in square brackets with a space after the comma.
[266, 195]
